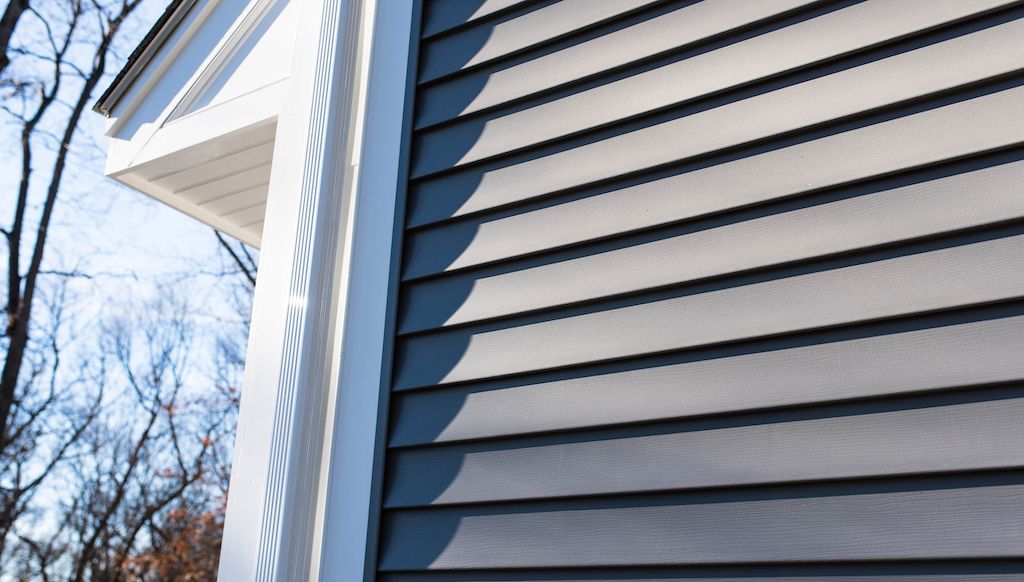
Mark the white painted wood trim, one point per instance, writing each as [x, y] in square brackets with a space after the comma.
[215, 122]
[249, 19]
[122, 112]
[351, 491]
[270, 528]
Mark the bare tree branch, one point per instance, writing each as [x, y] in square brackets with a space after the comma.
[242, 258]
[22, 288]
[127, 424]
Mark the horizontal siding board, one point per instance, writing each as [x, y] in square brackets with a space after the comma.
[561, 223]
[711, 290]
[907, 75]
[854, 28]
[442, 15]
[492, 40]
[714, 577]
[947, 571]
[929, 359]
[974, 273]
[675, 29]
[966, 200]
[848, 443]
[968, 522]
[962, 128]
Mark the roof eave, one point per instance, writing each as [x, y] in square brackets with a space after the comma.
[151, 44]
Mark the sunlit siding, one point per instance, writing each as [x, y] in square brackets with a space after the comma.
[727, 290]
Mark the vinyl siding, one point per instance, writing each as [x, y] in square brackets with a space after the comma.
[711, 290]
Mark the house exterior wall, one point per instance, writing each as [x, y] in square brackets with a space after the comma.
[711, 290]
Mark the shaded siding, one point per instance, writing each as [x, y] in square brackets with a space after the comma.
[711, 290]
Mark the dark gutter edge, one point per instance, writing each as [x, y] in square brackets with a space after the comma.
[153, 41]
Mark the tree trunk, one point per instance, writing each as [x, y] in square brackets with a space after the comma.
[19, 328]
[13, 12]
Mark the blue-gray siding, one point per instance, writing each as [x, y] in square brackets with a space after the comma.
[724, 290]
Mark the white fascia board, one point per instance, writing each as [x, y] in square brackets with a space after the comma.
[199, 96]
[193, 54]
[190, 61]
[206, 125]
[157, 67]
[140, 111]
[255, 54]
[259, 129]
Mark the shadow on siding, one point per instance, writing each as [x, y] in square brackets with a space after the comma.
[425, 415]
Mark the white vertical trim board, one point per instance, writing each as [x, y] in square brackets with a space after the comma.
[320, 245]
[351, 502]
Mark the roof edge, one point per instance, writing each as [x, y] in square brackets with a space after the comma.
[151, 43]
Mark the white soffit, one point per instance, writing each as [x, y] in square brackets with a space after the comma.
[196, 129]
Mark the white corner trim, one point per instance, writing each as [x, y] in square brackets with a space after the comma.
[351, 500]
[269, 529]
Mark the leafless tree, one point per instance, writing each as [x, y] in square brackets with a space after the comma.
[50, 418]
[8, 22]
[39, 423]
[242, 257]
[148, 503]
[150, 466]
[35, 100]
[114, 452]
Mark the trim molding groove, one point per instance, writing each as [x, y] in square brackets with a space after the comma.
[352, 492]
[317, 343]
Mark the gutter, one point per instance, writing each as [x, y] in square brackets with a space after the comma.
[151, 44]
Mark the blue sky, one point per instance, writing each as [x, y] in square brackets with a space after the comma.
[131, 245]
